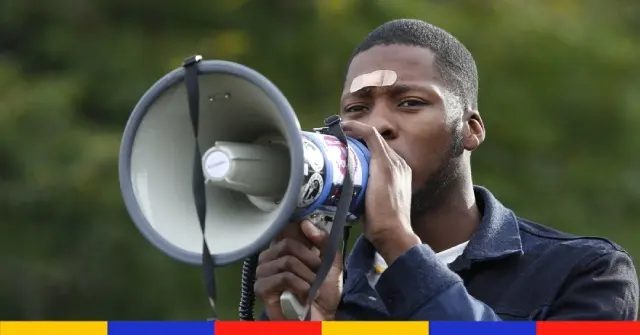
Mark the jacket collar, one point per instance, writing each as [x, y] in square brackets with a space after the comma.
[498, 236]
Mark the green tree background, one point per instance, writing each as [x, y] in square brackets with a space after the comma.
[559, 93]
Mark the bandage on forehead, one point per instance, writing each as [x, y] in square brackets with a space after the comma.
[375, 78]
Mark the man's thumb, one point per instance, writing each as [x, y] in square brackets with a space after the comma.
[319, 239]
[316, 236]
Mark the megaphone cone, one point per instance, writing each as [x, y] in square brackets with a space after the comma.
[260, 171]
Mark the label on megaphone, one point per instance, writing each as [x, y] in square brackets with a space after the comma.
[324, 172]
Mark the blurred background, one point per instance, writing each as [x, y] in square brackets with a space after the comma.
[559, 95]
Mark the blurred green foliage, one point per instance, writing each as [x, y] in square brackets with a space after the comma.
[559, 94]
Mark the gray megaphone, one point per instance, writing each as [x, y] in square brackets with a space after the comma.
[255, 169]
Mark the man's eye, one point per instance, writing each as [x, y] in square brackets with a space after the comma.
[412, 103]
[354, 109]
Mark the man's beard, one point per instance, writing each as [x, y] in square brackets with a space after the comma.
[434, 191]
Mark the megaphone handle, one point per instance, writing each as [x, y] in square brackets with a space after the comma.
[291, 307]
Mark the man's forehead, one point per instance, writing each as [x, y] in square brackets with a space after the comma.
[402, 63]
[389, 81]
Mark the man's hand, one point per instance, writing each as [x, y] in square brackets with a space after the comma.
[388, 196]
[290, 264]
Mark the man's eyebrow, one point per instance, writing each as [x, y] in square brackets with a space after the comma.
[404, 88]
[392, 90]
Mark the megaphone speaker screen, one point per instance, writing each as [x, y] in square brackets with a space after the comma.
[238, 105]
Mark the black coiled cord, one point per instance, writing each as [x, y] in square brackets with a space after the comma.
[247, 295]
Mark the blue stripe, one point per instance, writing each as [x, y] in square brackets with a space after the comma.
[160, 327]
[364, 157]
[481, 328]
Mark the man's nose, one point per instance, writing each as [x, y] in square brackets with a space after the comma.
[383, 120]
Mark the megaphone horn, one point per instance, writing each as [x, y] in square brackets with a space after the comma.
[213, 165]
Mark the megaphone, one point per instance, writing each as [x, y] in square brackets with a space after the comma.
[213, 164]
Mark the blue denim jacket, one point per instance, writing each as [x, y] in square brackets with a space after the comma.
[512, 269]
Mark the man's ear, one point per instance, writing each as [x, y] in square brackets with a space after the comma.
[473, 127]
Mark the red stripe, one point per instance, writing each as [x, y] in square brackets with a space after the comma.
[587, 328]
[268, 328]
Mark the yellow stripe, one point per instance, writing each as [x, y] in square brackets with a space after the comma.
[374, 328]
[53, 328]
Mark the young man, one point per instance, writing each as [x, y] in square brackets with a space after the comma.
[436, 247]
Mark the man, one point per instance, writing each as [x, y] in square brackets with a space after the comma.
[434, 246]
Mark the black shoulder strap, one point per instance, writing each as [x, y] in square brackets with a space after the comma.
[199, 196]
[333, 128]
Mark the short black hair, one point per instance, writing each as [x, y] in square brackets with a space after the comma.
[454, 62]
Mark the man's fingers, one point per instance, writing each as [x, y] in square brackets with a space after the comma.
[285, 264]
[375, 142]
[290, 247]
[369, 134]
[273, 286]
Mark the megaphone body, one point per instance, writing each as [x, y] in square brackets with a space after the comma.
[260, 170]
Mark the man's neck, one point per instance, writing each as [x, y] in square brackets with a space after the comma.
[453, 222]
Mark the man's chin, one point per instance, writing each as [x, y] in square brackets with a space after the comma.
[433, 193]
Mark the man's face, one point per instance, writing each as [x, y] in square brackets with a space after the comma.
[416, 115]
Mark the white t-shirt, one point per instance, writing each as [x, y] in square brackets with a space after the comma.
[447, 256]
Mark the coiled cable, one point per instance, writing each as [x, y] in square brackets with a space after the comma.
[247, 294]
[249, 266]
